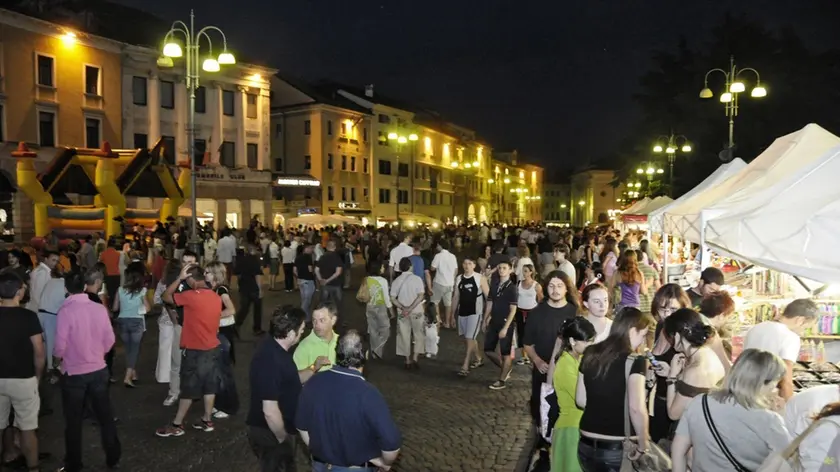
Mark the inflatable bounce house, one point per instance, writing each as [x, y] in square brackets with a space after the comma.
[107, 175]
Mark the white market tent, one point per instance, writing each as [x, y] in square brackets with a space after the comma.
[656, 219]
[792, 226]
[631, 210]
[654, 205]
[787, 154]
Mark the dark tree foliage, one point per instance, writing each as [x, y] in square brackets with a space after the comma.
[801, 87]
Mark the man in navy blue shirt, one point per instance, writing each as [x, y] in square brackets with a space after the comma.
[352, 430]
[275, 388]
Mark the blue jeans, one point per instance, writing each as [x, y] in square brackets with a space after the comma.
[321, 467]
[131, 333]
[600, 459]
[49, 321]
[307, 290]
[332, 294]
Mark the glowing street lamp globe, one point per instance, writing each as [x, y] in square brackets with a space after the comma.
[226, 58]
[172, 49]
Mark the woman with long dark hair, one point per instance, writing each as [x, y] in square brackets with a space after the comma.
[132, 305]
[628, 281]
[609, 257]
[667, 300]
[529, 294]
[603, 389]
[574, 336]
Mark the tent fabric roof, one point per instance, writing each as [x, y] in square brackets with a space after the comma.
[631, 210]
[787, 154]
[653, 205]
[656, 219]
[791, 226]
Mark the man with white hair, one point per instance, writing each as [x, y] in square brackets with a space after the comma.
[354, 430]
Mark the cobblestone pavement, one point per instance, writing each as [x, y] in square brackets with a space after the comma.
[448, 423]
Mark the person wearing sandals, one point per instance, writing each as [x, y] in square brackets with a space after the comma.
[529, 294]
[607, 393]
[471, 290]
[378, 308]
[215, 274]
[734, 428]
[574, 336]
[132, 305]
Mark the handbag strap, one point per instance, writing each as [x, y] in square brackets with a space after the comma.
[788, 452]
[718, 439]
[628, 365]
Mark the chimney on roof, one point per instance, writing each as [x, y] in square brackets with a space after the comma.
[369, 90]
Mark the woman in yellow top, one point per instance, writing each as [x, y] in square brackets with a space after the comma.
[573, 337]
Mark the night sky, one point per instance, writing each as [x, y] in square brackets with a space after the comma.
[553, 79]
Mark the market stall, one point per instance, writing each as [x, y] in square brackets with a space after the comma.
[783, 157]
[675, 258]
[781, 217]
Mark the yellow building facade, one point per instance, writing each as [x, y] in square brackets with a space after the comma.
[516, 188]
[59, 88]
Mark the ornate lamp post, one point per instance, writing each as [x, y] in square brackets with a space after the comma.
[171, 49]
[670, 145]
[733, 87]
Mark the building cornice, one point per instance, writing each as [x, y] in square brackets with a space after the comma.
[47, 28]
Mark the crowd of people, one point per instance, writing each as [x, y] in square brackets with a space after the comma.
[624, 367]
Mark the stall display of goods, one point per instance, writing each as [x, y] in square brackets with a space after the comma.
[810, 374]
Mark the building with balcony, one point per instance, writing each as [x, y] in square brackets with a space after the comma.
[556, 203]
[321, 152]
[58, 88]
[516, 188]
[232, 130]
[423, 165]
[593, 195]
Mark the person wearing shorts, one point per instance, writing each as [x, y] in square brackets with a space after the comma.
[471, 290]
[200, 348]
[20, 339]
[445, 265]
[498, 317]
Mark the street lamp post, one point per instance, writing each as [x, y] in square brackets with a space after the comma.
[734, 86]
[649, 170]
[401, 141]
[171, 49]
[672, 144]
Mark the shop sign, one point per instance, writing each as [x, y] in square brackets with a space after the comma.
[307, 211]
[349, 205]
[291, 182]
[214, 175]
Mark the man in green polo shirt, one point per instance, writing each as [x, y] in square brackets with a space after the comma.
[317, 351]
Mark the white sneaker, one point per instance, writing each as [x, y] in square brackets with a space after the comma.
[220, 415]
[170, 400]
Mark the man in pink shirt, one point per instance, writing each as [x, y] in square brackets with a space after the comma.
[83, 336]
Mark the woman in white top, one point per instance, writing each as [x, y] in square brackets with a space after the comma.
[529, 294]
[215, 274]
[522, 259]
[379, 306]
[52, 297]
[596, 300]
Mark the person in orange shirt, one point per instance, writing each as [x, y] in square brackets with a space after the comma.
[111, 258]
